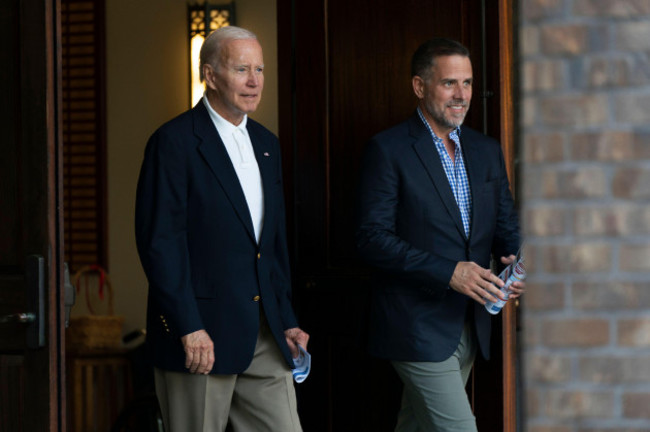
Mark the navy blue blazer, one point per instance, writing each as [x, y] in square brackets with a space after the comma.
[410, 229]
[198, 249]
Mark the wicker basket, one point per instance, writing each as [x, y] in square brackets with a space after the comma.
[94, 332]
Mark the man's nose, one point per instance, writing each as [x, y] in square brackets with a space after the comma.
[462, 92]
[254, 79]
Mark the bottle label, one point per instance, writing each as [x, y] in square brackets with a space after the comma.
[516, 271]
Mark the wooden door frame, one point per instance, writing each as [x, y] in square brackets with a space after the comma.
[57, 321]
[45, 20]
[507, 121]
[41, 38]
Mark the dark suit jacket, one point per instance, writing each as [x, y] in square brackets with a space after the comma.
[411, 230]
[198, 249]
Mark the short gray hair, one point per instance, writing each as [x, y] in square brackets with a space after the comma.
[425, 56]
[213, 44]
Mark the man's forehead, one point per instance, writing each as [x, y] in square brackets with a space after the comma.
[451, 58]
[453, 65]
[233, 49]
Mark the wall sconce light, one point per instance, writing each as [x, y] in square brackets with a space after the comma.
[203, 19]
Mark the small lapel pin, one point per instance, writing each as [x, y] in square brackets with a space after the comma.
[266, 154]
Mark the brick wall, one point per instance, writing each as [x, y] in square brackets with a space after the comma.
[585, 122]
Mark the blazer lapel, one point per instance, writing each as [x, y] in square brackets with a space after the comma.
[426, 151]
[472, 155]
[214, 152]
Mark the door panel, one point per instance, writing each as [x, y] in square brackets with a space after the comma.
[31, 368]
[345, 76]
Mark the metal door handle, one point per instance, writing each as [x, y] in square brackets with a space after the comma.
[33, 321]
[24, 318]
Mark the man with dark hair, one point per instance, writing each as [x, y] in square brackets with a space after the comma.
[210, 230]
[435, 205]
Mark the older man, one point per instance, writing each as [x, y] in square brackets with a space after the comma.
[210, 229]
[435, 205]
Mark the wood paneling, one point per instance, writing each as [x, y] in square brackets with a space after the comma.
[99, 386]
[12, 393]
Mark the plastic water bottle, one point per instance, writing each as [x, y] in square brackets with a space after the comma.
[517, 273]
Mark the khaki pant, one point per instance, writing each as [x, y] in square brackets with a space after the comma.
[434, 397]
[262, 398]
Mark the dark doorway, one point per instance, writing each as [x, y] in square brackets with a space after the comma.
[31, 300]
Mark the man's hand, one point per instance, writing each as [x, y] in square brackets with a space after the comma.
[296, 337]
[476, 282]
[199, 352]
[516, 288]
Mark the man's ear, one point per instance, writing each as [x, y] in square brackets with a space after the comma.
[209, 76]
[418, 86]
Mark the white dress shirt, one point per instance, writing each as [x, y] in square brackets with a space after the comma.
[240, 149]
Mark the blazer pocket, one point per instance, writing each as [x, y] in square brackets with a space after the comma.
[491, 182]
[414, 289]
[490, 188]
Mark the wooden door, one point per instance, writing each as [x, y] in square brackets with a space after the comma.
[31, 364]
[344, 68]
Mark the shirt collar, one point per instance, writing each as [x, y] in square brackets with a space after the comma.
[220, 122]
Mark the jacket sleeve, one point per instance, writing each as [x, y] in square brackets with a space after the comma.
[161, 232]
[378, 242]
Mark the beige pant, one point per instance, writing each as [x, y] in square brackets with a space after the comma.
[262, 398]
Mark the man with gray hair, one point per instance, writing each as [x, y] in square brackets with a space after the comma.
[210, 231]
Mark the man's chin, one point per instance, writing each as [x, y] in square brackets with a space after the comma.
[454, 123]
[250, 108]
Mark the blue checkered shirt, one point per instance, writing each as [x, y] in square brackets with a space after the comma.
[456, 173]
